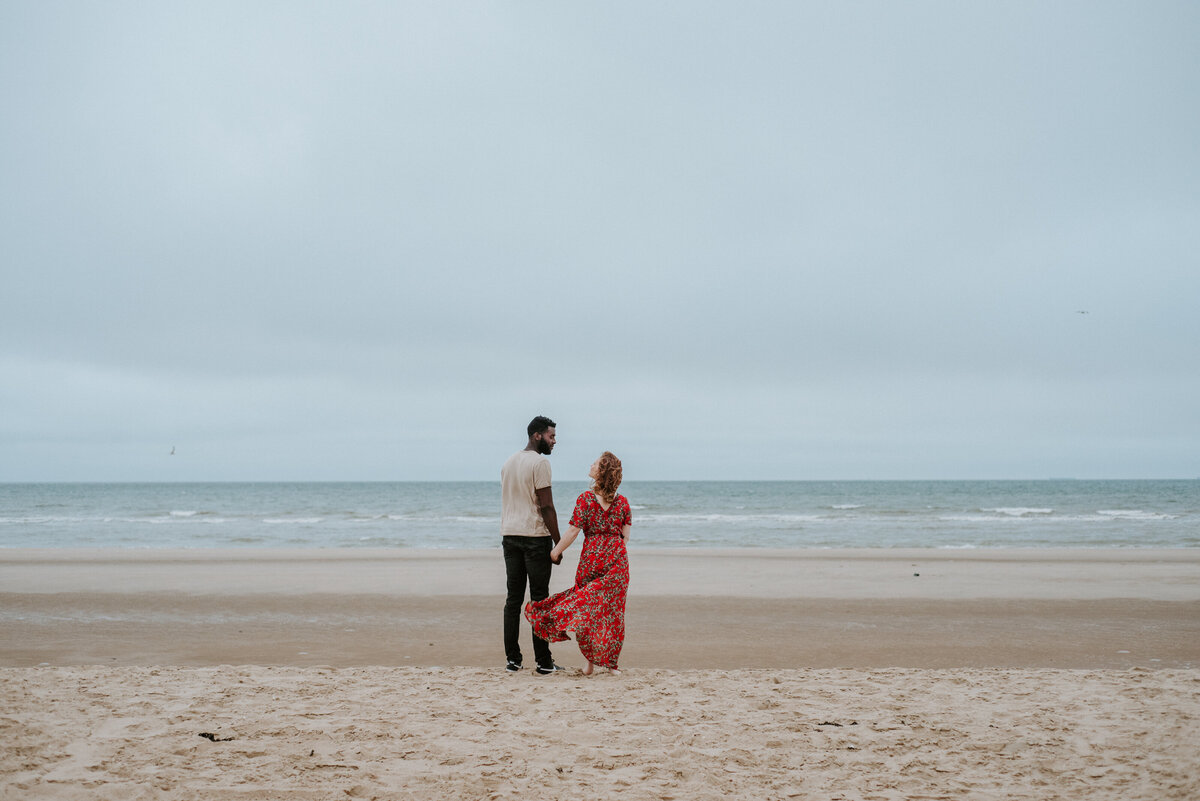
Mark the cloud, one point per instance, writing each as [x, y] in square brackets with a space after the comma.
[842, 235]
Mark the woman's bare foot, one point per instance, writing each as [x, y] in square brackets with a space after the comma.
[614, 671]
[587, 671]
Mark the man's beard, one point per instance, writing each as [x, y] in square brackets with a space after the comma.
[543, 447]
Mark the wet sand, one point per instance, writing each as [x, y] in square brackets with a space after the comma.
[687, 609]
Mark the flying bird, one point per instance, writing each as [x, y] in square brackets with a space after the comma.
[1081, 312]
[172, 450]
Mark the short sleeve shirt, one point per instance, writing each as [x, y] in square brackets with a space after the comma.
[522, 476]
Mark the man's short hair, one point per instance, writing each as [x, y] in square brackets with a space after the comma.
[539, 424]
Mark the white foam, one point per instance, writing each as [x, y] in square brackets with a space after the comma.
[1018, 511]
[978, 519]
[1133, 514]
[442, 518]
[277, 521]
[184, 514]
[723, 518]
[847, 506]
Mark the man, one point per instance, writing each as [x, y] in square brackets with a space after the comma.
[529, 528]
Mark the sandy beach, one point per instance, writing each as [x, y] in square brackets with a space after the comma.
[692, 609]
[748, 674]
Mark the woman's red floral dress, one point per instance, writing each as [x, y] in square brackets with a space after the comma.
[595, 607]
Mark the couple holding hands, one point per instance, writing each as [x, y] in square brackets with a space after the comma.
[594, 609]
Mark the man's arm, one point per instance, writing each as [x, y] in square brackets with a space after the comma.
[545, 500]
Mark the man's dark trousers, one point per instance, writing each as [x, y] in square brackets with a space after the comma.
[526, 560]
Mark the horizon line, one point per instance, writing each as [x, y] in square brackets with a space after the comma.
[581, 481]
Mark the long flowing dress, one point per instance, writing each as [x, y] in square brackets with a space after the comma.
[595, 607]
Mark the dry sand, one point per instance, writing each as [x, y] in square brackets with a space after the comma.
[470, 733]
[1005, 674]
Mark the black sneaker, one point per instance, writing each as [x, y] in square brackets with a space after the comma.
[546, 671]
[513, 667]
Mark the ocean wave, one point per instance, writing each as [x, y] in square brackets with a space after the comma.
[1134, 514]
[883, 514]
[992, 518]
[388, 541]
[41, 520]
[444, 518]
[716, 517]
[1107, 516]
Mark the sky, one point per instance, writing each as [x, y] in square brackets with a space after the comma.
[763, 240]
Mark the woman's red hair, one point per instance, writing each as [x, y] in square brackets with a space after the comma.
[608, 477]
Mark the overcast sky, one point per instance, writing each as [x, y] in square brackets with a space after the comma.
[355, 240]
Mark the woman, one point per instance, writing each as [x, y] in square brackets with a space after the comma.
[595, 607]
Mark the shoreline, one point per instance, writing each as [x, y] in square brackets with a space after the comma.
[1159, 574]
[1062, 608]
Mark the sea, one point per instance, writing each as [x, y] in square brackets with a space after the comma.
[666, 514]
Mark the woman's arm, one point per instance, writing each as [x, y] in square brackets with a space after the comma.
[625, 532]
[565, 542]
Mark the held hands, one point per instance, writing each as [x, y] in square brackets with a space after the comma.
[556, 552]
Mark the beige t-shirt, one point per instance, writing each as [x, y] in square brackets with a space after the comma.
[523, 474]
